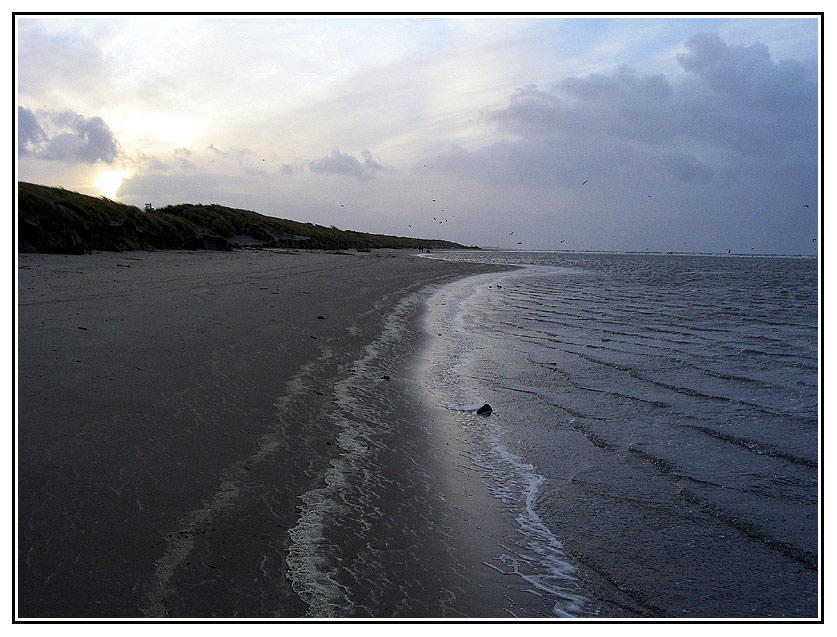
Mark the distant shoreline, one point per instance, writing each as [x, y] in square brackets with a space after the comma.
[645, 253]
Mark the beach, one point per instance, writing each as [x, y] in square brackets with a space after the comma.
[172, 409]
[279, 434]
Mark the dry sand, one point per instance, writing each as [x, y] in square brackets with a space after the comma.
[152, 386]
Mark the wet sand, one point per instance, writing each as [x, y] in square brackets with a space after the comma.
[172, 408]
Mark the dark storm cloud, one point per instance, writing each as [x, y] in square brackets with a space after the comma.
[29, 132]
[733, 107]
[72, 137]
[622, 104]
[747, 74]
[343, 164]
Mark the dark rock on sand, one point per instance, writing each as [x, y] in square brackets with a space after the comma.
[485, 410]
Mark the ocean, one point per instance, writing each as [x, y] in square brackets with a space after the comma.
[653, 448]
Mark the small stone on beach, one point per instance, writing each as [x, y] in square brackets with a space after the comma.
[485, 410]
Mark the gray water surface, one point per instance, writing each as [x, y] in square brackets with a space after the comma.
[669, 403]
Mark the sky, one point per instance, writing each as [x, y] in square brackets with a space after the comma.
[610, 132]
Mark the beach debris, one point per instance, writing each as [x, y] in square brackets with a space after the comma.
[322, 318]
[485, 410]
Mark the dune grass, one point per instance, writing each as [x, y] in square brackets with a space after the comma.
[53, 219]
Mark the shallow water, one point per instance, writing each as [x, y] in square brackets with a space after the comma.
[653, 448]
[666, 411]
[422, 513]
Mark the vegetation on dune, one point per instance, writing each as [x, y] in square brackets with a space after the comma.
[56, 220]
[236, 225]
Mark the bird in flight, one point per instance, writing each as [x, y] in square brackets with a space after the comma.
[584, 182]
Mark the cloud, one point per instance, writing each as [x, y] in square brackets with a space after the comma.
[622, 104]
[666, 159]
[60, 65]
[343, 164]
[71, 137]
[734, 108]
[29, 133]
[182, 162]
[685, 167]
[747, 74]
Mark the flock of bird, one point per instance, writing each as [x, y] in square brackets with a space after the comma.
[562, 240]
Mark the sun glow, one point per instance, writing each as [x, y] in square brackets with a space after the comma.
[109, 181]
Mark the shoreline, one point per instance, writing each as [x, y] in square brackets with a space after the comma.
[405, 524]
[618, 499]
[154, 478]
